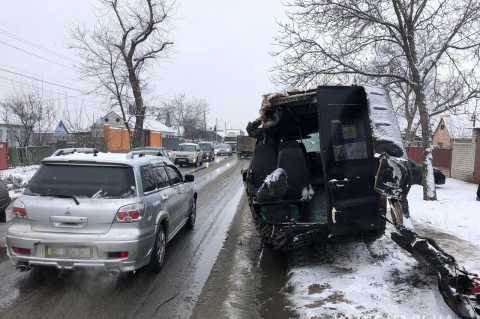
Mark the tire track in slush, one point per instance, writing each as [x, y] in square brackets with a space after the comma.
[216, 206]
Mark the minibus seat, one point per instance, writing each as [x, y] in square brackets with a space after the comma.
[264, 162]
[292, 159]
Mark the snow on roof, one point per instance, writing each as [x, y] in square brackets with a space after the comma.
[458, 126]
[154, 125]
[150, 123]
[65, 128]
[101, 157]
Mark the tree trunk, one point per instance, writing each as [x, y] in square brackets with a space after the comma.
[136, 138]
[429, 191]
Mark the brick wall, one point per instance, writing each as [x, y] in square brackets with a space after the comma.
[463, 159]
[116, 139]
[441, 137]
[155, 138]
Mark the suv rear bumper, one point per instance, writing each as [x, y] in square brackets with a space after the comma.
[207, 156]
[139, 250]
[185, 160]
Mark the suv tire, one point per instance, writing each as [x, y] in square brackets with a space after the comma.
[158, 254]
[192, 216]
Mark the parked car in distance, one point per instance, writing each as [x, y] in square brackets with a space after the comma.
[208, 150]
[224, 149]
[4, 201]
[416, 170]
[162, 151]
[187, 154]
[110, 211]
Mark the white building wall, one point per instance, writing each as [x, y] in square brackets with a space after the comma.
[463, 159]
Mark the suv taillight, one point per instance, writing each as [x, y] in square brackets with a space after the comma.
[130, 213]
[18, 210]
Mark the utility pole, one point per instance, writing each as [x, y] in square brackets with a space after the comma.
[205, 120]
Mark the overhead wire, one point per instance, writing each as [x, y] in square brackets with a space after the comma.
[40, 80]
[34, 74]
[35, 45]
[51, 82]
[7, 81]
[36, 55]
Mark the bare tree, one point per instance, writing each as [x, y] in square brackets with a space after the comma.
[186, 114]
[80, 124]
[429, 46]
[30, 114]
[128, 37]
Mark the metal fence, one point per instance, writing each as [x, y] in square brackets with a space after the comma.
[442, 157]
[18, 156]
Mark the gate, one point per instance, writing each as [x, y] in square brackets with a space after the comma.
[442, 157]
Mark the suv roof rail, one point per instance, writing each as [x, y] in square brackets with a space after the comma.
[86, 150]
[141, 153]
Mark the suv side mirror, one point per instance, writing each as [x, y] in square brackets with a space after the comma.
[189, 178]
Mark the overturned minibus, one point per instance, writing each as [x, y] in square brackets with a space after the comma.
[326, 162]
[313, 170]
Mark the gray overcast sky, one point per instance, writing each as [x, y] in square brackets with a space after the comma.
[222, 52]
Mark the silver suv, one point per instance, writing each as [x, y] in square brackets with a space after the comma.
[188, 154]
[83, 208]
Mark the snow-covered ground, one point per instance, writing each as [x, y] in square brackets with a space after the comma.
[380, 280]
[17, 178]
[456, 211]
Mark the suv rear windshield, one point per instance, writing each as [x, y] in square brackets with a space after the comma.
[205, 146]
[186, 148]
[83, 181]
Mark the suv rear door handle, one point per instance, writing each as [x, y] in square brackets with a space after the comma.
[165, 197]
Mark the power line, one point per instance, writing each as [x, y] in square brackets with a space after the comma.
[34, 74]
[38, 46]
[5, 81]
[65, 96]
[43, 81]
[36, 55]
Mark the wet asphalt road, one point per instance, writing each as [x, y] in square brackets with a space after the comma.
[47, 293]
